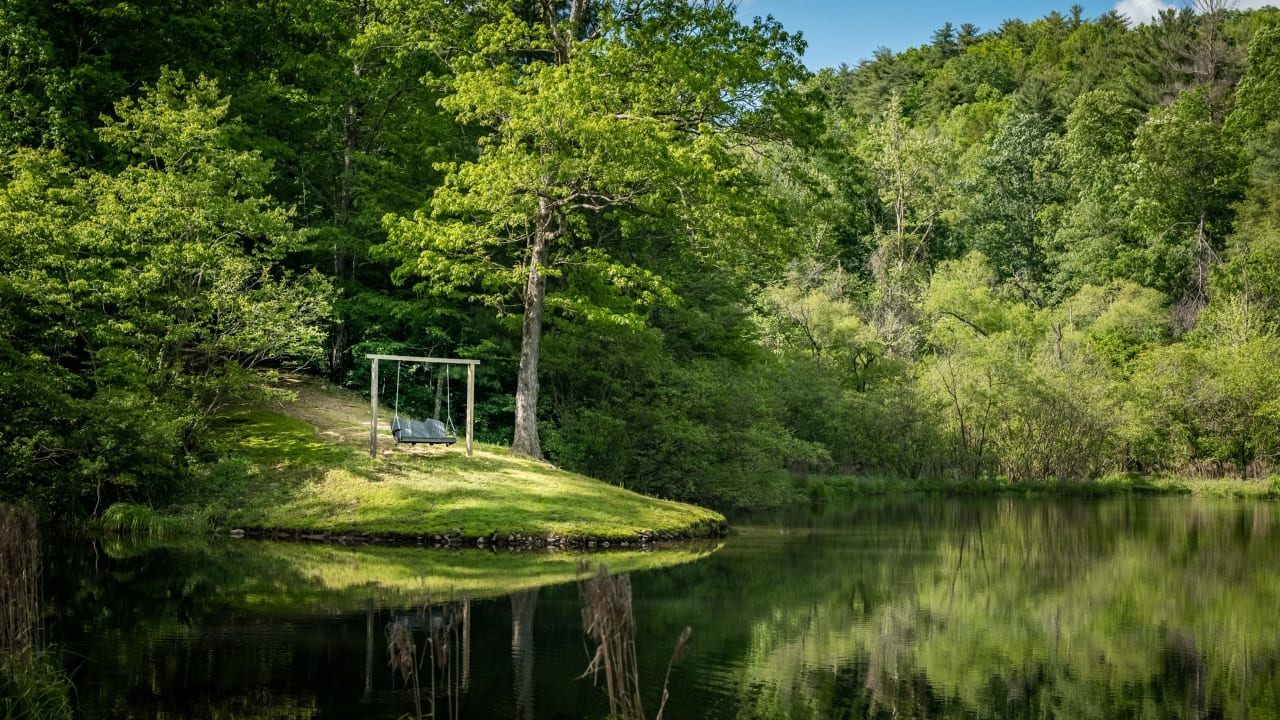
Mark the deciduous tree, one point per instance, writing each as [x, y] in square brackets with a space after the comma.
[610, 125]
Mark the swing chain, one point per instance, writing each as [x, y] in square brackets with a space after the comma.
[448, 399]
[448, 403]
[397, 412]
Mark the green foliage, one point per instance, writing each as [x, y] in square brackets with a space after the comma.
[33, 688]
[1182, 179]
[1119, 321]
[1212, 407]
[610, 139]
[1014, 197]
[141, 521]
[1017, 391]
[747, 270]
[668, 429]
[143, 299]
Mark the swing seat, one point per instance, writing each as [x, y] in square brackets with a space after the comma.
[429, 432]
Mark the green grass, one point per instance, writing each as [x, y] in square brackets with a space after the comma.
[304, 467]
[141, 521]
[448, 494]
[33, 687]
[1268, 489]
[270, 439]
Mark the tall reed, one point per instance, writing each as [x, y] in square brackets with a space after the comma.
[609, 620]
[31, 683]
[402, 657]
[19, 581]
[445, 647]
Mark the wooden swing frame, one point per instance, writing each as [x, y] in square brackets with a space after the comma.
[373, 393]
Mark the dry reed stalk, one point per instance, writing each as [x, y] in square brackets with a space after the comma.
[677, 654]
[19, 581]
[401, 656]
[608, 620]
[444, 626]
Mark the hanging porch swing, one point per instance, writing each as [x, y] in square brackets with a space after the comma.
[430, 431]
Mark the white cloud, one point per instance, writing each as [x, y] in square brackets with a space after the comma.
[1141, 11]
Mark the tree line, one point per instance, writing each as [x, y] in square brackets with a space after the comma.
[1045, 250]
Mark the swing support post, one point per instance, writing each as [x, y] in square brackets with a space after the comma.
[373, 410]
[373, 393]
[471, 404]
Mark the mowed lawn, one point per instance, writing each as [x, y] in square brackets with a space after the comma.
[309, 470]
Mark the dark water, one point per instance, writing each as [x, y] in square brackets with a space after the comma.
[916, 607]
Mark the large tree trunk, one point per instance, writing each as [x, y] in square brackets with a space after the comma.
[526, 441]
[343, 260]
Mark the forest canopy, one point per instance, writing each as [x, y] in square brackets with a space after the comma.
[1043, 251]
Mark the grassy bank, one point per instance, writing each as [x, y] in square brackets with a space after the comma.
[303, 468]
[822, 488]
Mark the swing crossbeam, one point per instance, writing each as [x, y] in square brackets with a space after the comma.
[373, 393]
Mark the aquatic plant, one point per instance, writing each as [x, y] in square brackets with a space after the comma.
[31, 685]
[608, 619]
[401, 656]
[19, 581]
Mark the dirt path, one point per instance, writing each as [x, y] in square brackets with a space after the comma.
[328, 409]
[342, 416]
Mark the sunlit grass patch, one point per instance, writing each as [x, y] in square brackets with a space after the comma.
[273, 439]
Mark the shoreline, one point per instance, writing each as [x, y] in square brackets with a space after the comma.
[517, 542]
[299, 469]
[843, 487]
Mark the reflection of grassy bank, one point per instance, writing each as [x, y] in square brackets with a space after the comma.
[405, 574]
[852, 486]
[296, 577]
[304, 468]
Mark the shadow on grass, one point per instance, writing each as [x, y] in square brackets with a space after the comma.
[272, 439]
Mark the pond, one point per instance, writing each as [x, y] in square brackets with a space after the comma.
[912, 607]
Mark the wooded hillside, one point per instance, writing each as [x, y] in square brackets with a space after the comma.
[1047, 250]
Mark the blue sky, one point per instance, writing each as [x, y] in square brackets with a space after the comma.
[850, 30]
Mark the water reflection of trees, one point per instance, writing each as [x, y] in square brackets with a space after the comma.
[523, 605]
[909, 608]
[1026, 609]
[190, 628]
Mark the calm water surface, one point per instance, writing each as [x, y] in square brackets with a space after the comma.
[905, 608]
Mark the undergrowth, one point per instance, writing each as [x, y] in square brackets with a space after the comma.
[32, 687]
[820, 488]
[142, 521]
